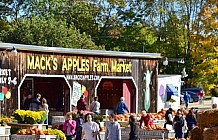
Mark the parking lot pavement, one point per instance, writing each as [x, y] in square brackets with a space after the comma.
[206, 105]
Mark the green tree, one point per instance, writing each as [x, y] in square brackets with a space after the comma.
[49, 32]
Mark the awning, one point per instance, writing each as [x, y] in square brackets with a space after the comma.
[171, 90]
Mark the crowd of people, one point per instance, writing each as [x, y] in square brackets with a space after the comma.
[181, 124]
[35, 104]
[84, 128]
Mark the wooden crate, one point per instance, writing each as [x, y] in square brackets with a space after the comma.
[32, 137]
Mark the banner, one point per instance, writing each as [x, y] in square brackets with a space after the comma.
[76, 93]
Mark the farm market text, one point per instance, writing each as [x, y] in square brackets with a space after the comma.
[77, 64]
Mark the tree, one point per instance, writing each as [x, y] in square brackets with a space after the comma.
[43, 23]
[49, 32]
[205, 47]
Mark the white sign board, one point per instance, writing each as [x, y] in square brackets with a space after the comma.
[76, 94]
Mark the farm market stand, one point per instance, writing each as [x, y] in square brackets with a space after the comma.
[61, 75]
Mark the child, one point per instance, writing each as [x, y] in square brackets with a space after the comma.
[69, 127]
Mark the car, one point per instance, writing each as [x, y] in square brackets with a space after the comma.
[195, 90]
[193, 95]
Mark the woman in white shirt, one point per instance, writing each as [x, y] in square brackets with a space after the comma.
[90, 129]
[45, 108]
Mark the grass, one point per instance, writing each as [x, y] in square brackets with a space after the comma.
[208, 97]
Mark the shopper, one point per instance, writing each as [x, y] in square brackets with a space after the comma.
[201, 97]
[45, 108]
[90, 129]
[81, 103]
[186, 99]
[113, 131]
[214, 106]
[121, 107]
[191, 121]
[35, 104]
[178, 123]
[95, 106]
[79, 122]
[145, 119]
[169, 117]
[27, 102]
[69, 127]
[133, 135]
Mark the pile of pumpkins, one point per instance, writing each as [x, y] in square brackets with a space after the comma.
[153, 127]
[180, 139]
[34, 131]
[155, 116]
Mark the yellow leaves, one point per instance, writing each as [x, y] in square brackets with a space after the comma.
[215, 9]
[57, 132]
[211, 86]
[205, 42]
[37, 116]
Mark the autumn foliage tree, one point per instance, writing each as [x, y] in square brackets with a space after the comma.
[205, 48]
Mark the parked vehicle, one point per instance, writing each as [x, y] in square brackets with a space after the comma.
[193, 95]
[195, 90]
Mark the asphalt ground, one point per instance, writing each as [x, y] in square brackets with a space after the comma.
[206, 105]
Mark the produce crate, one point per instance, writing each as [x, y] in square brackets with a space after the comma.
[123, 123]
[33, 137]
[146, 134]
[5, 137]
[16, 126]
[159, 122]
[5, 130]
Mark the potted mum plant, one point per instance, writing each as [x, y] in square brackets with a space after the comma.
[170, 102]
[29, 117]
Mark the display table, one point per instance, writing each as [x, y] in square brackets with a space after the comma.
[146, 134]
[32, 137]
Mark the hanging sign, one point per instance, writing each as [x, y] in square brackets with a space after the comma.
[6, 77]
[76, 93]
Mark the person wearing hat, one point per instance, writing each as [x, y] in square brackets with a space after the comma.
[145, 119]
[121, 107]
[133, 135]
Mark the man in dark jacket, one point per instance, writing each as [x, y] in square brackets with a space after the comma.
[169, 117]
[79, 121]
[35, 104]
[178, 123]
[27, 102]
[133, 135]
